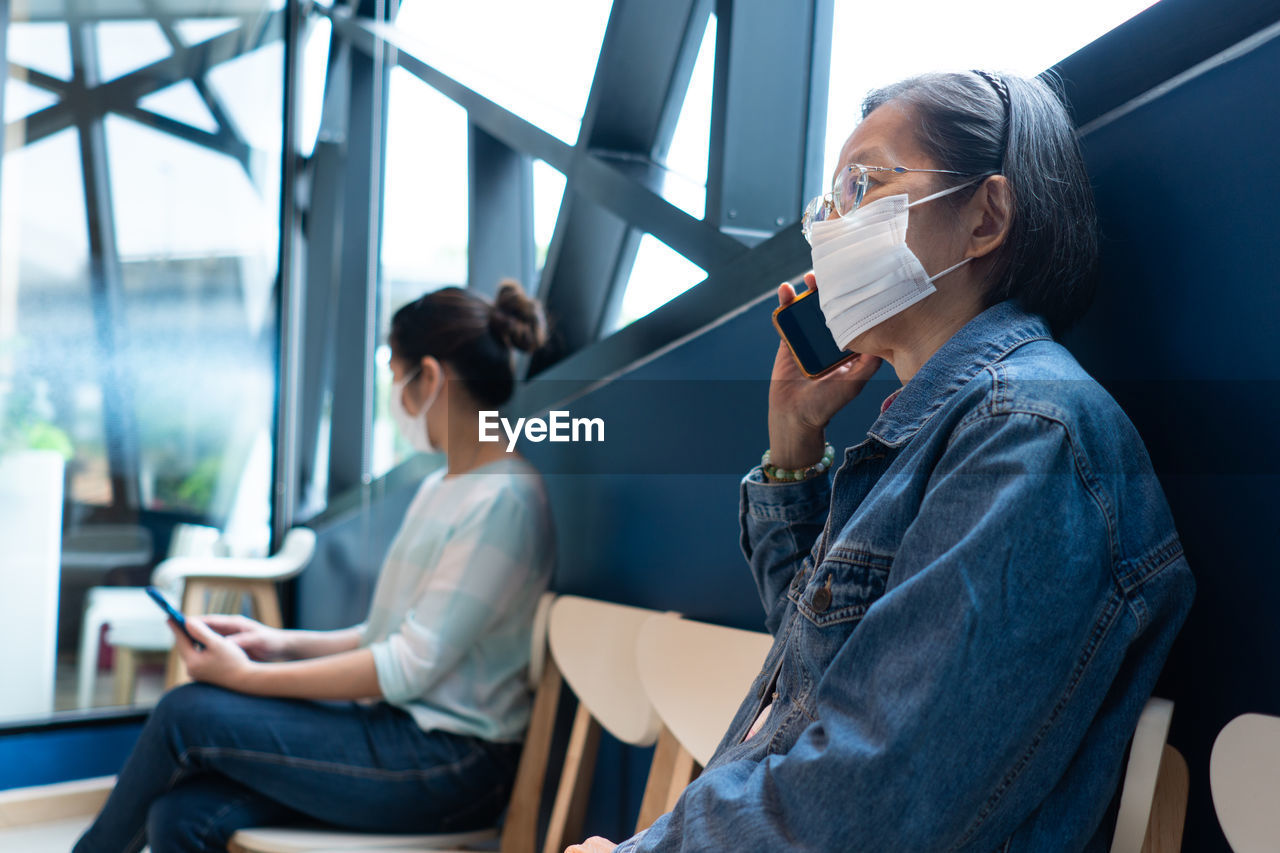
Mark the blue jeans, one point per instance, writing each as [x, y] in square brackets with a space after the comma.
[211, 761]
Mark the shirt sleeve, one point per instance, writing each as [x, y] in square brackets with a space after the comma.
[481, 568]
[780, 522]
[939, 723]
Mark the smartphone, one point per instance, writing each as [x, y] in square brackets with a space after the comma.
[805, 331]
[158, 597]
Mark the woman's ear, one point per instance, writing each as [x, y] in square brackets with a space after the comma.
[432, 375]
[419, 391]
[991, 214]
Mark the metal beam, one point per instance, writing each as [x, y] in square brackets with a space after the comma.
[500, 213]
[350, 424]
[119, 422]
[94, 11]
[515, 132]
[1171, 37]
[646, 59]
[602, 181]
[580, 281]
[761, 172]
[322, 227]
[4, 63]
[34, 76]
[125, 91]
[237, 150]
[752, 276]
[228, 131]
[290, 297]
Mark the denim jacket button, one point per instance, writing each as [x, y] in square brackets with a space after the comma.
[821, 600]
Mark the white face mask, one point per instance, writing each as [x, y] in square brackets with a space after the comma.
[414, 429]
[865, 271]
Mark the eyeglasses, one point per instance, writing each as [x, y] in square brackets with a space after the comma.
[847, 192]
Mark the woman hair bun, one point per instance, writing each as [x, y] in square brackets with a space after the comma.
[516, 319]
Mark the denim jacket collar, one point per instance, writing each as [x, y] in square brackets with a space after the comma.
[986, 338]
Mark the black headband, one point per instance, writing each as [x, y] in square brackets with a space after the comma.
[1002, 91]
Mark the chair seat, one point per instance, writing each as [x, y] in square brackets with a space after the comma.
[150, 635]
[124, 600]
[281, 840]
[134, 619]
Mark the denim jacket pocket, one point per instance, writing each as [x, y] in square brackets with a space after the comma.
[841, 588]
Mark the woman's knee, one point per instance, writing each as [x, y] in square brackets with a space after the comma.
[183, 704]
[189, 714]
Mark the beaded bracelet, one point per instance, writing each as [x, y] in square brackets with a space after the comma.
[773, 472]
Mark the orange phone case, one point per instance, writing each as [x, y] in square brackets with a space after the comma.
[820, 373]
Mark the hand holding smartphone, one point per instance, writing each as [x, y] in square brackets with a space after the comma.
[177, 617]
[804, 330]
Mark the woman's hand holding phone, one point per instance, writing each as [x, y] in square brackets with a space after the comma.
[260, 642]
[220, 662]
[800, 407]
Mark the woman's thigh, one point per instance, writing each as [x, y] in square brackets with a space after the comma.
[358, 766]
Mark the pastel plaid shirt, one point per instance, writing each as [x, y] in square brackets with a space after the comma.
[453, 609]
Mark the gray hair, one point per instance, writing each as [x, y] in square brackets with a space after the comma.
[1049, 261]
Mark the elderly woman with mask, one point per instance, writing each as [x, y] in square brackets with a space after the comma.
[970, 615]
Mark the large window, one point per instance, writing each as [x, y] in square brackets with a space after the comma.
[535, 59]
[997, 35]
[138, 232]
[424, 225]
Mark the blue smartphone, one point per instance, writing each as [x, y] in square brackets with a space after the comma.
[158, 597]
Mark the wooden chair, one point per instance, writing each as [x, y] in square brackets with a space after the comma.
[1244, 779]
[197, 582]
[594, 643]
[221, 584]
[592, 648]
[1153, 799]
[521, 824]
[695, 675]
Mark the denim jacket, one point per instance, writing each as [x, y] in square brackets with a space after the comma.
[968, 619]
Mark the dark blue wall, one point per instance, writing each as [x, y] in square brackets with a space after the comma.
[1184, 334]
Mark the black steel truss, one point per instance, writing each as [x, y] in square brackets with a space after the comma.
[78, 99]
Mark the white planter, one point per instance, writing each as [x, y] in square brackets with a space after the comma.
[30, 545]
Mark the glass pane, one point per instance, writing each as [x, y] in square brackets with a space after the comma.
[196, 30]
[1011, 35]
[659, 275]
[547, 52]
[315, 69]
[52, 370]
[183, 103]
[548, 193]
[22, 99]
[41, 47]
[424, 224]
[255, 108]
[685, 184]
[199, 310]
[150, 369]
[125, 46]
[50, 361]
